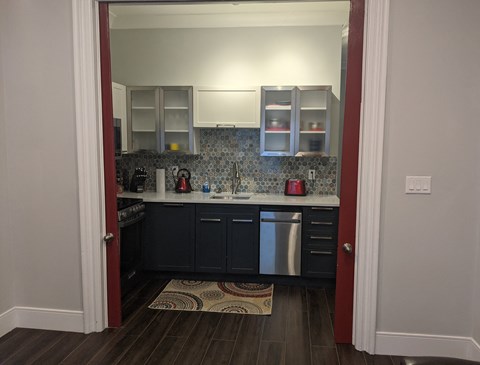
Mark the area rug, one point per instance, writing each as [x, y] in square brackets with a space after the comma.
[212, 296]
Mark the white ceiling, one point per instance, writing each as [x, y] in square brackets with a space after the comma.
[311, 13]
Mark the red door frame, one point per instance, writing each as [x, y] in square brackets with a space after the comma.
[349, 176]
[113, 248]
[348, 187]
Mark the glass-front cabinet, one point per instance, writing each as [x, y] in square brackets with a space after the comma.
[277, 127]
[176, 120]
[295, 121]
[143, 119]
[160, 119]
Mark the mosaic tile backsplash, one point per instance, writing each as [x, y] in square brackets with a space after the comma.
[219, 148]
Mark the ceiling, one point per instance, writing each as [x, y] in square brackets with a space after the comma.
[309, 13]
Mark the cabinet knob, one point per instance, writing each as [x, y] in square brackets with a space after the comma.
[347, 248]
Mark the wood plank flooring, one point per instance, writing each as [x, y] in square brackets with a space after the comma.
[298, 332]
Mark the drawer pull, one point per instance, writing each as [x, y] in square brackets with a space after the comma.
[242, 220]
[321, 252]
[314, 223]
[322, 208]
[173, 205]
[321, 237]
[210, 220]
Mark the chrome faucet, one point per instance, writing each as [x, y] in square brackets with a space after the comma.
[235, 178]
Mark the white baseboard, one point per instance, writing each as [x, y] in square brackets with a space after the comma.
[41, 318]
[474, 351]
[413, 344]
[7, 321]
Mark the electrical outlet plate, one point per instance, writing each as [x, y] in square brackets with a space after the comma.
[311, 174]
[418, 185]
[174, 170]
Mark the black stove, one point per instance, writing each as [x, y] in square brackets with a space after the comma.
[123, 203]
[131, 215]
[129, 207]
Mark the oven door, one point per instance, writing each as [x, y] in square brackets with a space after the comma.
[131, 241]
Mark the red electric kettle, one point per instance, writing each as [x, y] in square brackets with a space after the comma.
[183, 181]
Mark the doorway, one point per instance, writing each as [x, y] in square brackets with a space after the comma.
[349, 172]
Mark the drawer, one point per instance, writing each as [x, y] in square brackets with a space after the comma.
[319, 263]
[322, 238]
[227, 209]
[321, 212]
[314, 219]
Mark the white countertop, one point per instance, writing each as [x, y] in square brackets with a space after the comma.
[255, 199]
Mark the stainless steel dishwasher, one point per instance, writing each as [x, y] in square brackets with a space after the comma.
[280, 243]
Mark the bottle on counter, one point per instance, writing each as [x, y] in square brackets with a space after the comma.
[206, 186]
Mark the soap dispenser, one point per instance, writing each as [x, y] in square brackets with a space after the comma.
[206, 186]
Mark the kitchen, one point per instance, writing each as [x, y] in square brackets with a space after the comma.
[193, 60]
[35, 278]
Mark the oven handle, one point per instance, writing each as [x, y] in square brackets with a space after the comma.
[140, 217]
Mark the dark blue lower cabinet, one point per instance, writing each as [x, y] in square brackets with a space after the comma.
[210, 247]
[227, 239]
[319, 242]
[169, 243]
[319, 263]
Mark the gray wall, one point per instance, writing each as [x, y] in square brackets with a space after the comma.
[6, 268]
[429, 242]
[41, 172]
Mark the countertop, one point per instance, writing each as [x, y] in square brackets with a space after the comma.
[255, 199]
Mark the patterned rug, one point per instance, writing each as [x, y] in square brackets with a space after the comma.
[212, 296]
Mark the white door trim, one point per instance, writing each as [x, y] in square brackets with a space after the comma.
[91, 179]
[90, 163]
[370, 173]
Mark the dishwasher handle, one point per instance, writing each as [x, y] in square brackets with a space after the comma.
[273, 220]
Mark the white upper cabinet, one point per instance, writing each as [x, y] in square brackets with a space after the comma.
[216, 107]
[119, 101]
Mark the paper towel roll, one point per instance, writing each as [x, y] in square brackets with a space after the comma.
[160, 178]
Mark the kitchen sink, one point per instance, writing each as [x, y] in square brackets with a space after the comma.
[231, 196]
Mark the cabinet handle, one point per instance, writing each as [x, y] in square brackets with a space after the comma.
[242, 220]
[321, 237]
[313, 223]
[173, 205]
[321, 252]
[225, 125]
[322, 208]
[271, 220]
[210, 220]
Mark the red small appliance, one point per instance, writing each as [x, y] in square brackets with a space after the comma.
[183, 181]
[295, 187]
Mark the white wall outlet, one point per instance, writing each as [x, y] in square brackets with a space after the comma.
[311, 174]
[174, 170]
[418, 185]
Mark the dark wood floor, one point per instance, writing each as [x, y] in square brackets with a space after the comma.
[299, 331]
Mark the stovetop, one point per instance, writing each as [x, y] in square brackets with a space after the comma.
[123, 203]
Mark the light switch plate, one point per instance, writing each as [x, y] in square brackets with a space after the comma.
[418, 185]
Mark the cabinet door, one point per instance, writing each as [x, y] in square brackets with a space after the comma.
[277, 136]
[319, 263]
[243, 244]
[227, 107]
[176, 120]
[312, 130]
[143, 118]
[119, 101]
[211, 235]
[169, 237]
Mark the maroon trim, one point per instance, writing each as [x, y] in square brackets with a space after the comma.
[113, 249]
[348, 187]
